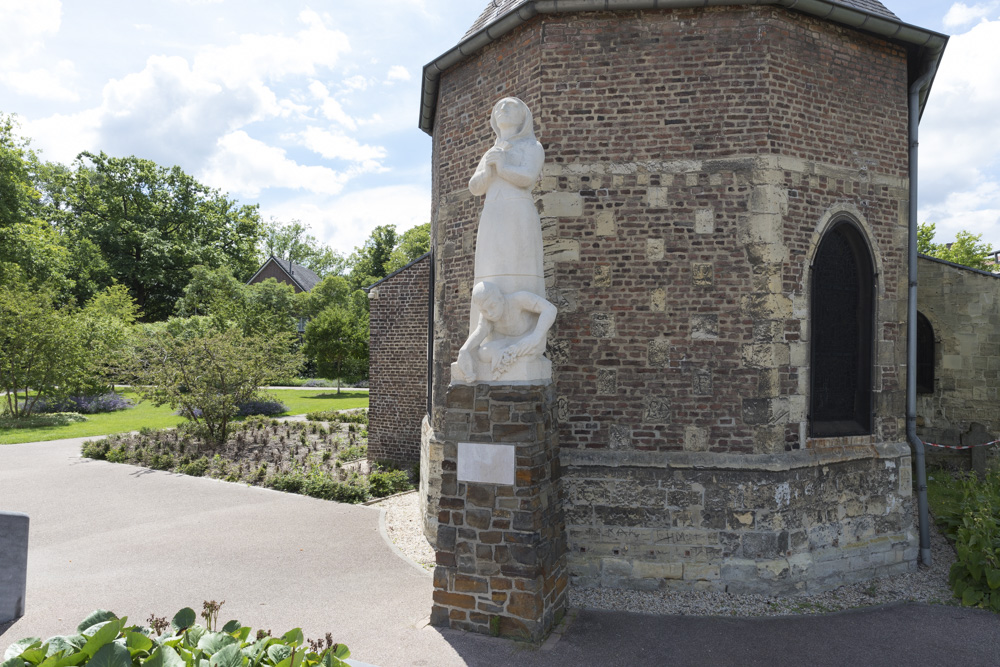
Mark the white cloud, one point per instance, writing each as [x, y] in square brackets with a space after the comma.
[336, 146]
[246, 166]
[961, 14]
[269, 57]
[356, 82]
[61, 137]
[331, 107]
[960, 137]
[346, 222]
[42, 83]
[25, 24]
[398, 73]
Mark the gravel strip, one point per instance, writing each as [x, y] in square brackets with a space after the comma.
[927, 584]
[402, 522]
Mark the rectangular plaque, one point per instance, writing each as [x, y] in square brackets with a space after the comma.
[486, 463]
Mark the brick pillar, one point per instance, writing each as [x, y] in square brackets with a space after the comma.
[501, 541]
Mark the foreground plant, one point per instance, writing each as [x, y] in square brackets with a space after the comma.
[104, 640]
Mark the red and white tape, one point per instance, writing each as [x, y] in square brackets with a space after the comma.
[985, 444]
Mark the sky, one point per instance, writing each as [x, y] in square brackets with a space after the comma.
[310, 107]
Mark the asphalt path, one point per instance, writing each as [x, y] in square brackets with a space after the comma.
[141, 542]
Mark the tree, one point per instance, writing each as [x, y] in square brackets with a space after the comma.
[151, 225]
[41, 346]
[967, 249]
[414, 243]
[29, 246]
[337, 338]
[293, 242]
[368, 263]
[206, 373]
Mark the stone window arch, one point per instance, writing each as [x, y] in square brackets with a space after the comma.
[842, 317]
[925, 355]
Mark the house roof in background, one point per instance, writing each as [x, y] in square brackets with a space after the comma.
[302, 277]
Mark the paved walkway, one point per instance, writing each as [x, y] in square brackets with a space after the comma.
[139, 542]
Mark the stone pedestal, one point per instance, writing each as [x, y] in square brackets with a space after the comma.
[501, 561]
[13, 564]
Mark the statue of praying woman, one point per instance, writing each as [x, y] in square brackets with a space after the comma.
[509, 317]
[509, 241]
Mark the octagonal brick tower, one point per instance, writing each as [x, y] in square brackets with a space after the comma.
[724, 209]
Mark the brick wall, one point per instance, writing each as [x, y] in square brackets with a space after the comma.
[963, 306]
[398, 364]
[691, 157]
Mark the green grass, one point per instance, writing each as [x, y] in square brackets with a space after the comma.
[46, 427]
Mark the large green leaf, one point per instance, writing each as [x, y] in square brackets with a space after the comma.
[294, 637]
[111, 655]
[20, 646]
[278, 653]
[164, 656]
[294, 660]
[35, 654]
[136, 642]
[12, 662]
[106, 633]
[993, 578]
[193, 635]
[60, 643]
[183, 619]
[95, 617]
[228, 656]
[231, 627]
[215, 641]
[971, 596]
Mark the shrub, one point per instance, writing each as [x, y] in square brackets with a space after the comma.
[261, 406]
[387, 482]
[352, 417]
[196, 468]
[968, 511]
[86, 405]
[104, 639]
[352, 453]
[317, 382]
[95, 449]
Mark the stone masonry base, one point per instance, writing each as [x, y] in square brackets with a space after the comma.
[501, 566]
[796, 522]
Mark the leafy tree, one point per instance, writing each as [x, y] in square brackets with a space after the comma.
[206, 373]
[29, 246]
[151, 225]
[293, 242]
[369, 262]
[414, 243]
[337, 339]
[105, 328]
[41, 346]
[264, 307]
[967, 249]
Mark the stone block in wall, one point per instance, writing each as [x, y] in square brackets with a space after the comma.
[561, 205]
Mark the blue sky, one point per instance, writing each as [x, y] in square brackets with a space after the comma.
[310, 107]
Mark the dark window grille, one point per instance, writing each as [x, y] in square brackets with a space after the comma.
[842, 334]
[925, 355]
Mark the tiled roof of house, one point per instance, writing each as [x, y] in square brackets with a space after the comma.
[497, 8]
[298, 274]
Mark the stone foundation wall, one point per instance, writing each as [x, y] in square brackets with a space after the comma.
[963, 307]
[398, 364]
[804, 522]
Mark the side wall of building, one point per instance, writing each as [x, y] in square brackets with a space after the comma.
[963, 307]
[271, 270]
[398, 364]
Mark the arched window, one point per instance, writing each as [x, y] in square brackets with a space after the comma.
[841, 329]
[925, 355]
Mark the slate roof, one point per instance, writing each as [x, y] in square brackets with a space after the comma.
[298, 274]
[497, 8]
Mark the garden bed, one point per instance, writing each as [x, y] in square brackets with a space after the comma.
[319, 459]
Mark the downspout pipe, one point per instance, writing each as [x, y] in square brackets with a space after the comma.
[911, 326]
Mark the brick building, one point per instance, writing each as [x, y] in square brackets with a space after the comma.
[724, 211]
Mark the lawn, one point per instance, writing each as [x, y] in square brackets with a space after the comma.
[299, 401]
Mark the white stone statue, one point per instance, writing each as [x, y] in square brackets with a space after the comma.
[507, 344]
[509, 241]
[509, 339]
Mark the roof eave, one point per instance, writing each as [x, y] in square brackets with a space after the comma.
[930, 43]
